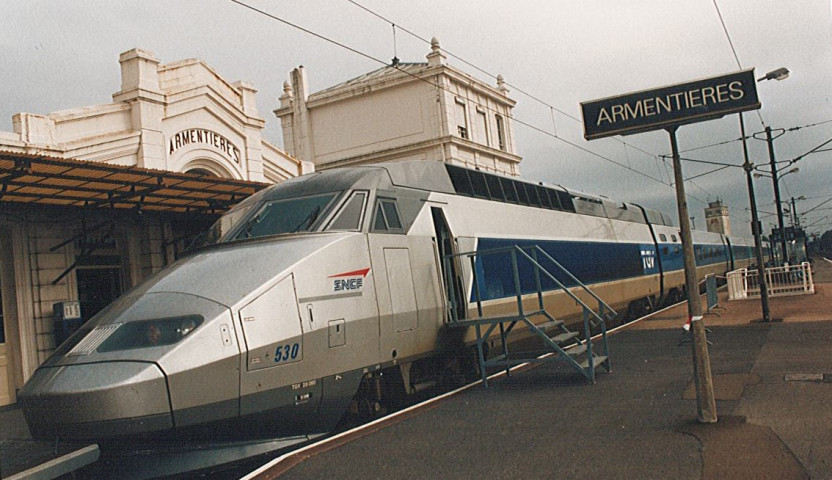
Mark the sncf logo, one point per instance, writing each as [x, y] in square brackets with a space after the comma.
[346, 281]
[351, 284]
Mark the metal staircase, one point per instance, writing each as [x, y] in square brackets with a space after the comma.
[559, 343]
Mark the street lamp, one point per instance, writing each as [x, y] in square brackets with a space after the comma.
[761, 175]
[778, 74]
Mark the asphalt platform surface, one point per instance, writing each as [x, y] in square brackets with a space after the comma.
[772, 383]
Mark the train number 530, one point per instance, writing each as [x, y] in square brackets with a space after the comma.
[285, 353]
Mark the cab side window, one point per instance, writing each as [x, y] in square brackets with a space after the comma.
[386, 217]
[349, 218]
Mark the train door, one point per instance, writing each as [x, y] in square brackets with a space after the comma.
[274, 355]
[407, 291]
[451, 280]
[402, 291]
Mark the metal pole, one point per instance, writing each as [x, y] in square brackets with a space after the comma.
[770, 142]
[755, 227]
[795, 220]
[705, 401]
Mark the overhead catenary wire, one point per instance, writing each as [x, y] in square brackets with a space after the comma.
[492, 75]
[520, 122]
[725, 142]
[734, 51]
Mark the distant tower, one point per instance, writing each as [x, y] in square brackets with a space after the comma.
[717, 219]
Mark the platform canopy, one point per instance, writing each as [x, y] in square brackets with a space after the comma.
[44, 180]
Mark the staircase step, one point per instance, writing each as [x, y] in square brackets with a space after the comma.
[550, 324]
[598, 361]
[580, 349]
[563, 337]
[498, 319]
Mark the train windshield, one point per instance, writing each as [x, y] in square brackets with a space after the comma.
[255, 218]
[289, 215]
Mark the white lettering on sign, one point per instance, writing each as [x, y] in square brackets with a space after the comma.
[200, 135]
[648, 107]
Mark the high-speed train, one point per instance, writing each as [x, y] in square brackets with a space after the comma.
[326, 292]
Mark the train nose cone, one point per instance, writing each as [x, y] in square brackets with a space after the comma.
[96, 400]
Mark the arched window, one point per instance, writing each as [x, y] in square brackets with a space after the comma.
[202, 172]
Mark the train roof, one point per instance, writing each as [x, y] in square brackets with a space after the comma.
[428, 176]
[452, 179]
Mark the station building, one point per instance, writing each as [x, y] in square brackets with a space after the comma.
[427, 111]
[95, 199]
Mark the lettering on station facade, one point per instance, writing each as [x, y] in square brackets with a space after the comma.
[671, 105]
[200, 135]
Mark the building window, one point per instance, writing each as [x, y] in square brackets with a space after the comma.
[501, 132]
[461, 117]
[482, 131]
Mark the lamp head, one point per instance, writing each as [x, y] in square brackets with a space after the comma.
[780, 74]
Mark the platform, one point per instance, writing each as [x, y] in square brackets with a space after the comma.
[772, 382]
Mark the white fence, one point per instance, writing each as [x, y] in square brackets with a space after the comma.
[780, 281]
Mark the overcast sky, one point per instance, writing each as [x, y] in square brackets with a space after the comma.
[61, 55]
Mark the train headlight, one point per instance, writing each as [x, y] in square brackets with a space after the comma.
[151, 333]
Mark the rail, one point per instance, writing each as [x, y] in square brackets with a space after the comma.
[780, 281]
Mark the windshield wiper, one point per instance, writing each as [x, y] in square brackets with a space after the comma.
[308, 221]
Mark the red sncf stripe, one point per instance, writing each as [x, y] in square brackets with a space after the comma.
[363, 273]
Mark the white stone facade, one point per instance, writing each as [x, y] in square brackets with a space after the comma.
[178, 117]
[424, 111]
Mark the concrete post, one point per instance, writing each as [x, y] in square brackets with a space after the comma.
[705, 401]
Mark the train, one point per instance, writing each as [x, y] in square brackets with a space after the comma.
[326, 294]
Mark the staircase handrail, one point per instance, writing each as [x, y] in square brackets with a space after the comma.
[571, 276]
[602, 305]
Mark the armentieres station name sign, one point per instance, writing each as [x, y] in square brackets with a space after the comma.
[669, 106]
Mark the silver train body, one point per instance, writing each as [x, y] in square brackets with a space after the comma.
[327, 290]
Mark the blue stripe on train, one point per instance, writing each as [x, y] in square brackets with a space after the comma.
[589, 262]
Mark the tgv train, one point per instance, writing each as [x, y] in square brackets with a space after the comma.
[326, 292]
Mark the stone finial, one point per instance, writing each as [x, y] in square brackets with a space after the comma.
[436, 56]
[501, 85]
[288, 94]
